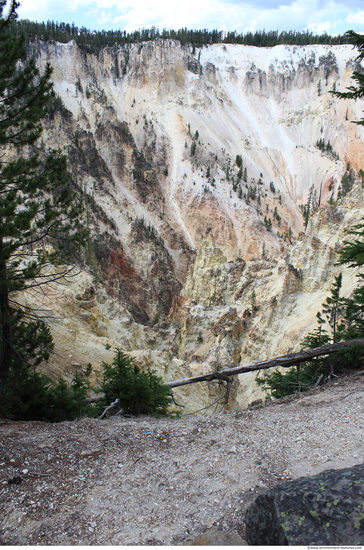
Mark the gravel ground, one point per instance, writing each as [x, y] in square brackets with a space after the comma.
[148, 481]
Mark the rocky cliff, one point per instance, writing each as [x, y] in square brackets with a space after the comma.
[132, 116]
[228, 313]
[194, 166]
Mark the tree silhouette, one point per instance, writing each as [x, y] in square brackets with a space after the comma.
[40, 222]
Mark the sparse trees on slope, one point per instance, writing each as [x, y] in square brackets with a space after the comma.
[344, 315]
[37, 205]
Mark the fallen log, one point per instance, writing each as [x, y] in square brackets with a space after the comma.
[289, 360]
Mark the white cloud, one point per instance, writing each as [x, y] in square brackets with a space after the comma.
[240, 15]
[357, 18]
[320, 28]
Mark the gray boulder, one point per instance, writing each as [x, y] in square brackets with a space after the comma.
[326, 509]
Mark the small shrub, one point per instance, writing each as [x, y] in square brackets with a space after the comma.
[30, 395]
[79, 85]
[156, 318]
[253, 301]
[139, 392]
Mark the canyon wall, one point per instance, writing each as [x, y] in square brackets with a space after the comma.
[181, 233]
[213, 324]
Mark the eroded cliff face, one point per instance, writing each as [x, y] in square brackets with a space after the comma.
[133, 115]
[216, 322]
[152, 132]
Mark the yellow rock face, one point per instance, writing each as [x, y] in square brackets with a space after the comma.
[217, 323]
[248, 294]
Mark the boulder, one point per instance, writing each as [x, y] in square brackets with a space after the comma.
[326, 509]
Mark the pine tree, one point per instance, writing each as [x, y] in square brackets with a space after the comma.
[357, 91]
[139, 392]
[333, 307]
[40, 221]
[309, 207]
[352, 254]
[253, 300]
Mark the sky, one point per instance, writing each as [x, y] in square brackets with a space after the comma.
[317, 16]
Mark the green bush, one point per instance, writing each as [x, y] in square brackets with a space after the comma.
[281, 384]
[30, 395]
[139, 392]
[301, 378]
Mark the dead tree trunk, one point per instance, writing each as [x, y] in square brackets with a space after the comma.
[113, 409]
[283, 361]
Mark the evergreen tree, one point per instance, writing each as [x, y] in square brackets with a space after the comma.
[345, 184]
[139, 392]
[310, 206]
[345, 317]
[356, 91]
[40, 221]
[333, 308]
[253, 300]
[33, 396]
[352, 254]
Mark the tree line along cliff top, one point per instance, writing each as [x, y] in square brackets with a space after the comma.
[92, 41]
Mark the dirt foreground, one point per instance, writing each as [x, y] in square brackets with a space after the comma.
[147, 481]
